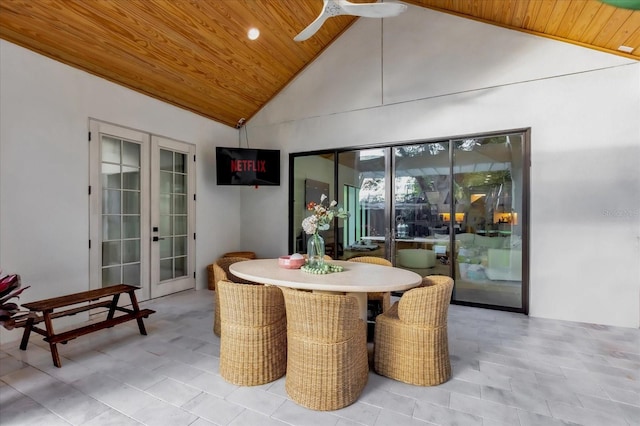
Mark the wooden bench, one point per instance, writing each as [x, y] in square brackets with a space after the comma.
[48, 309]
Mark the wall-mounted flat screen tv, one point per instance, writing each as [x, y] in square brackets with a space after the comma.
[245, 166]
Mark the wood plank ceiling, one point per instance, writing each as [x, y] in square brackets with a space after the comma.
[195, 53]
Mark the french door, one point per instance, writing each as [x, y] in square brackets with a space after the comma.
[142, 211]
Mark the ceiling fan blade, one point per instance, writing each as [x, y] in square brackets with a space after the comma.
[372, 10]
[312, 27]
[344, 7]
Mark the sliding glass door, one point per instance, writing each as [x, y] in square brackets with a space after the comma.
[362, 175]
[453, 207]
[421, 204]
[312, 176]
[488, 198]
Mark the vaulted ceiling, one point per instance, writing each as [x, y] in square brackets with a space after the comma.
[195, 54]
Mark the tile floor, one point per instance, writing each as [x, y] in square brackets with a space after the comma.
[508, 369]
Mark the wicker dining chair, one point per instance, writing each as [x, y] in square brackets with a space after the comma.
[221, 272]
[247, 254]
[411, 341]
[211, 273]
[382, 298]
[327, 365]
[253, 342]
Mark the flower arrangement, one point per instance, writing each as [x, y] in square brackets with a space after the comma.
[10, 288]
[322, 215]
[320, 220]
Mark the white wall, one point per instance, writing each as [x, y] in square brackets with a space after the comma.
[44, 170]
[436, 75]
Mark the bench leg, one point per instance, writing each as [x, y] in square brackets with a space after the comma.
[49, 331]
[136, 309]
[27, 332]
[114, 305]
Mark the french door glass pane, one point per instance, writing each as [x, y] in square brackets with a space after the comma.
[166, 182]
[131, 226]
[111, 276]
[131, 202]
[166, 247]
[111, 176]
[166, 269]
[131, 154]
[165, 205]
[166, 160]
[180, 184]
[111, 202]
[111, 227]
[180, 246]
[181, 225]
[111, 253]
[130, 251]
[181, 204]
[173, 211]
[130, 178]
[131, 274]
[180, 163]
[120, 168]
[180, 266]
[111, 150]
[166, 227]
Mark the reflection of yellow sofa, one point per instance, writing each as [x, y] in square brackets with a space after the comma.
[416, 258]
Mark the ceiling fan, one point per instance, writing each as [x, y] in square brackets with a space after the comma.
[332, 8]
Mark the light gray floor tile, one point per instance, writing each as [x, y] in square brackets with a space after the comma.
[213, 409]
[294, 414]
[508, 370]
[384, 399]
[173, 392]
[523, 400]
[26, 412]
[484, 408]
[112, 418]
[256, 399]
[156, 412]
[444, 416]
[252, 418]
[391, 418]
[358, 412]
[585, 416]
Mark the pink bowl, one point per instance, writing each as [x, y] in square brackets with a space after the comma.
[288, 263]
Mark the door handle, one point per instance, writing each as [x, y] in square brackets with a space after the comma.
[157, 238]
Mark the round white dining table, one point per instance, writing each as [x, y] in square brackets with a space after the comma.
[357, 279]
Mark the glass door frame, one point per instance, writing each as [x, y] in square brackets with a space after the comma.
[390, 201]
[150, 286]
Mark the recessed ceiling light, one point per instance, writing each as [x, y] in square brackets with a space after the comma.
[625, 49]
[253, 33]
